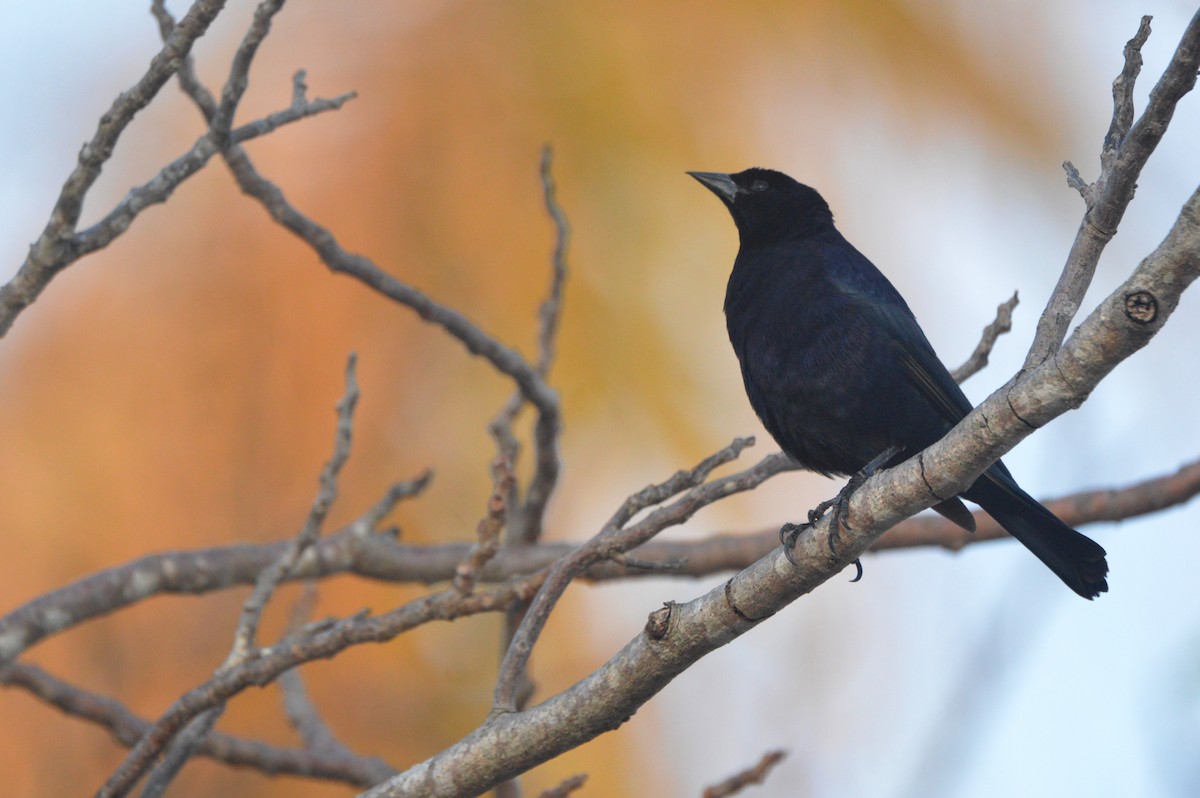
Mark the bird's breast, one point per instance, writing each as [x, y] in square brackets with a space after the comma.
[813, 370]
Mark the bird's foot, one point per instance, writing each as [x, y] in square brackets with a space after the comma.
[790, 533]
[841, 503]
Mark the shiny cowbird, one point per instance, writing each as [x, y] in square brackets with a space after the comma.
[839, 371]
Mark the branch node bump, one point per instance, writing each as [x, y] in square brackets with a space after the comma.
[1141, 307]
[659, 621]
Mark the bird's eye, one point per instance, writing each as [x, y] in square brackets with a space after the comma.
[758, 185]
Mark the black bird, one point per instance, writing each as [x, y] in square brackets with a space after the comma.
[840, 372]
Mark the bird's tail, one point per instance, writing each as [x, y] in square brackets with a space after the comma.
[1075, 558]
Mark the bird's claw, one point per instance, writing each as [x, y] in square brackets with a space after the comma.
[841, 502]
[788, 535]
[841, 511]
[857, 565]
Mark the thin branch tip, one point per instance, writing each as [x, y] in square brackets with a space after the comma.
[1076, 181]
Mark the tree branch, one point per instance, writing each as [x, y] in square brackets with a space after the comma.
[1125, 151]
[269, 579]
[379, 556]
[983, 350]
[565, 788]
[504, 359]
[54, 248]
[60, 245]
[321, 641]
[740, 781]
[127, 728]
[1058, 377]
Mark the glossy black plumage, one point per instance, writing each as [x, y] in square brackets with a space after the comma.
[838, 369]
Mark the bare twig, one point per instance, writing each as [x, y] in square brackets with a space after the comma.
[70, 246]
[1122, 90]
[546, 429]
[127, 728]
[1126, 149]
[161, 187]
[1076, 181]
[526, 518]
[566, 788]
[239, 71]
[183, 747]
[979, 358]
[369, 521]
[298, 706]
[186, 72]
[739, 781]
[505, 359]
[303, 716]
[301, 711]
[625, 561]
[270, 578]
[56, 247]
[551, 310]
[487, 532]
[202, 571]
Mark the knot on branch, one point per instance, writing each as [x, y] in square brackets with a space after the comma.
[660, 621]
[1141, 307]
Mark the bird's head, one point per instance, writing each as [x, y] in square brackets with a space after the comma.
[768, 206]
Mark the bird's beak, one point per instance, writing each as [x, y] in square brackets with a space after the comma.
[718, 183]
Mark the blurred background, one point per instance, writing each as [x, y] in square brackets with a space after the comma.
[176, 390]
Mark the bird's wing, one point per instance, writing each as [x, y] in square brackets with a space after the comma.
[888, 311]
[877, 300]
[930, 378]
